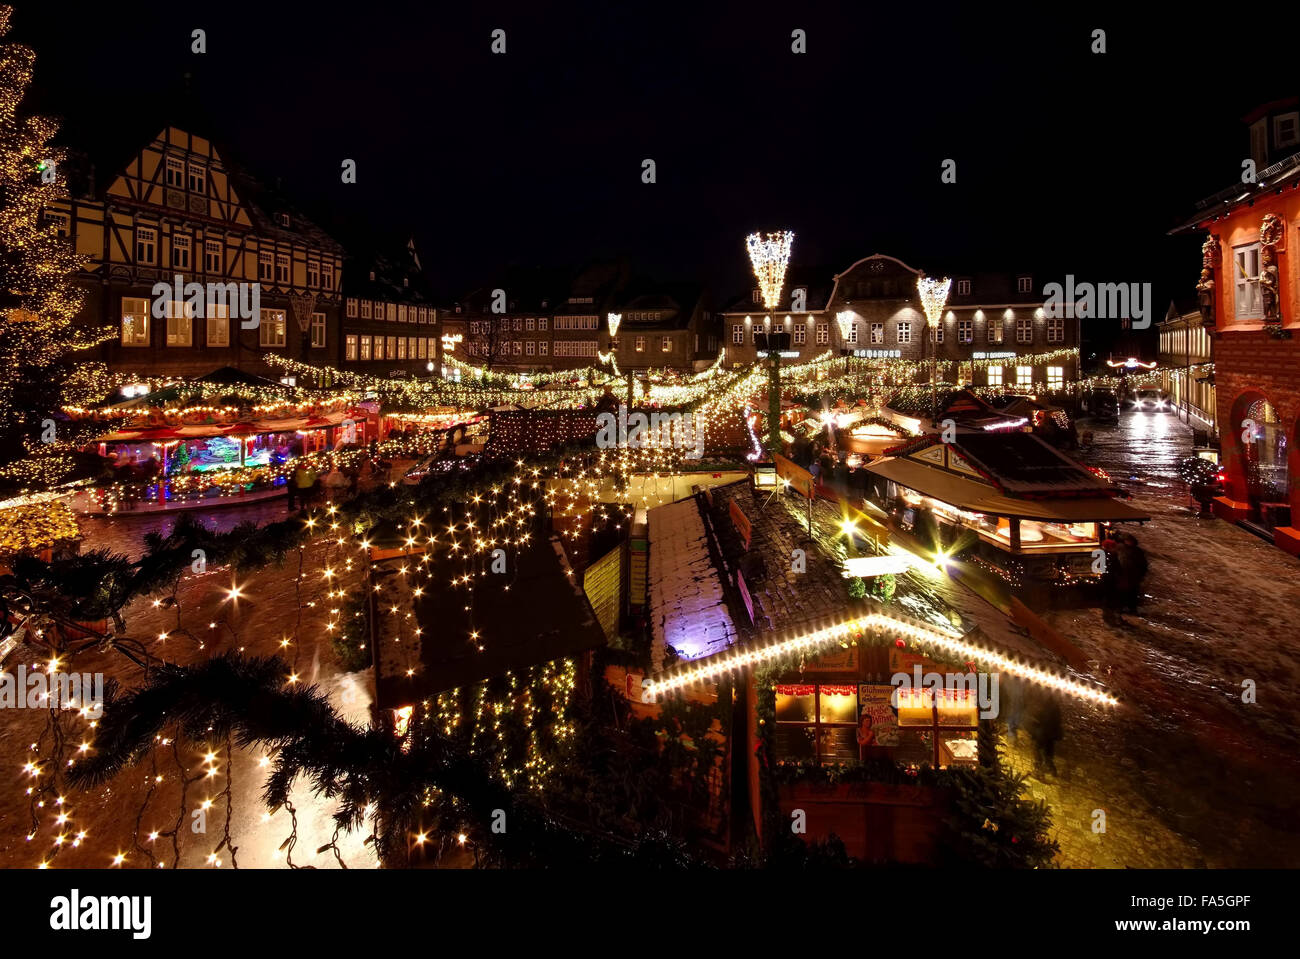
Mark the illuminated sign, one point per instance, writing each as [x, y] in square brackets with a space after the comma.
[449, 341]
[879, 354]
[993, 356]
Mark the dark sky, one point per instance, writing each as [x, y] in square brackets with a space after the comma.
[1067, 161]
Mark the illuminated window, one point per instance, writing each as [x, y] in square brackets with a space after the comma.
[1055, 377]
[318, 330]
[365, 347]
[135, 321]
[1249, 305]
[180, 324]
[401, 347]
[1024, 376]
[640, 344]
[816, 723]
[392, 346]
[667, 344]
[995, 375]
[271, 330]
[218, 324]
[350, 346]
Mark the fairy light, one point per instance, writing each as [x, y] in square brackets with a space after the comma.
[770, 255]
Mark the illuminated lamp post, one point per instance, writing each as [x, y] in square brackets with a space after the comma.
[615, 319]
[770, 256]
[934, 296]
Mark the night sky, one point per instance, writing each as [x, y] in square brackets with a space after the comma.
[1066, 161]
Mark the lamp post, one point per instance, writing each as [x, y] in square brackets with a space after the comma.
[934, 296]
[614, 320]
[770, 255]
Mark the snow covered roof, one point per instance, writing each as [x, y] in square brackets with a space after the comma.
[687, 606]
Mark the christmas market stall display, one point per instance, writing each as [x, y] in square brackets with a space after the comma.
[1017, 505]
[863, 713]
[39, 524]
[216, 438]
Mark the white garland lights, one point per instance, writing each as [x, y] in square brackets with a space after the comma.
[703, 671]
[770, 255]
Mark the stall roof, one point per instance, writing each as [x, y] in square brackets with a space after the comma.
[977, 497]
[247, 428]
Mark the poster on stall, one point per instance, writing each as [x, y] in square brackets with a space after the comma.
[878, 722]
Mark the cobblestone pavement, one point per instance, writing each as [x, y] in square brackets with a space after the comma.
[1188, 774]
[259, 625]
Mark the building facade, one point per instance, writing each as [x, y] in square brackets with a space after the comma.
[994, 331]
[177, 214]
[1186, 365]
[390, 325]
[1249, 294]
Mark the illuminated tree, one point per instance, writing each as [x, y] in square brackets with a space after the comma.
[38, 298]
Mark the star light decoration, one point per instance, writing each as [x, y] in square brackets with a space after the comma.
[770, 255]
[934, 296]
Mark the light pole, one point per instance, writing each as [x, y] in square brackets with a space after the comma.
[614, 320]
[770, 255]
[934, 296]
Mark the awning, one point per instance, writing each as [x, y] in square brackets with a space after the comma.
[975, 497]
[246, 428]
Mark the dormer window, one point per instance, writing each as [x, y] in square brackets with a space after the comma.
[963, 287]
[283, 219]
[406, 282]
[372, 276]
[757, 295]
[1024, 284]
[1286, 130]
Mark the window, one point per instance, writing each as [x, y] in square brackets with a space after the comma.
[816, 723]
[198, 178]
[351, 308]
[365, 309]
[350, 346]
[422, 344]
[518, 347]
[541, 348]
[318, 330]
[60, 223]
[963, 287]
[180, 325]
[282, 268]
[737, 334]
[283, 220]
[270, 332]
[541, 324]
[668, 344]
[473, 349]
[212, 256]
[175, 172]
[180, 251]
[995, 376]
[1286, 130]
[995, 331]
[1056, 329]
[853, 333]
[146, 245]
[401, 313]
[265, 265]
[1024, 377]
[575, 348]
[877, 333]
[640, 344]
[904, 332]
[1055, 377]
[823, 334]
[313, 274]
[365, 348]
[530, 347]
[936, 334]
[392, 347]
[391, 312]
[401, 347]
[1024, 330]
[135, 321]
[1248, 302]
[218, 324]
[1024, 284]
[327, 275]
[965, 331]
[531, 324]
[800, 334]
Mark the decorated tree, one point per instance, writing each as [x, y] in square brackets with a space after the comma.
[38, 298]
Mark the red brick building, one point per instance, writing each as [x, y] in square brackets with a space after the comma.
[1250, 297]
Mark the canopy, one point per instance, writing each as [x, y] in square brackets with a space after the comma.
[248, 428]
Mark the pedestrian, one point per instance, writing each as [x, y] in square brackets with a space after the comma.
[1112, 584]
[304, 477]
[1133, 564]
[1046, 728]
[1011, 698]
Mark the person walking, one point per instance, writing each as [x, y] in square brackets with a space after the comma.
[1133, 562]
[1113, 584]
[1046, 728]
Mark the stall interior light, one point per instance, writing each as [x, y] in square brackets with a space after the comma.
[706, 670]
